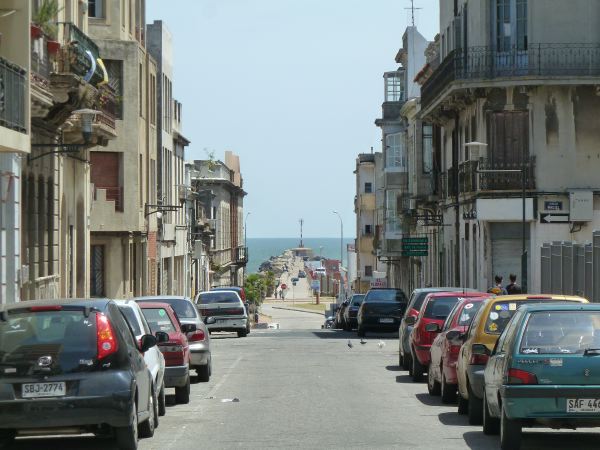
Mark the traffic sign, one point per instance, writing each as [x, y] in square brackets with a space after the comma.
[415, 253]
[554, 218]
[415, 240]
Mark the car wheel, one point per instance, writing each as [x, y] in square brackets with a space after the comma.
[448, 391]
[510, 432]
[162, 401]
[417, 369]
[242, 333]
[433, 386]
[475, 410]
[127, 437]
[7, 438]
[204, 372]
[146, 428]
[405, 362]
[491, 425]
[463, 405]
[182, 394]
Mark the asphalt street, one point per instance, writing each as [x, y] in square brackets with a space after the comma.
[303, 387]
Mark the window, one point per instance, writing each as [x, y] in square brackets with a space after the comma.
[96, 8]
[114, 68]
[368, 271]
[427, 148]
[393, 223]
[394, 86]
[395, 150]
[368, 188]
[368, 229]
[511, 25]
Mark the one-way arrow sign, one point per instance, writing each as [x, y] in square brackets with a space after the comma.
[554, 218]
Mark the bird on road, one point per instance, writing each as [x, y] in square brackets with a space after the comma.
[381, 344]
[362, 341]
[350, 344]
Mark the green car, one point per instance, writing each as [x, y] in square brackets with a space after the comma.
[544, 371]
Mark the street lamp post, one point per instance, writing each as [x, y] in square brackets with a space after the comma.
[246, 230]
[341, 245]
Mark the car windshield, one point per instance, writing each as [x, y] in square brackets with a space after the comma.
[183, 308]
[217, 297]
[67, 337]
[158, 319]
[385, 295]
[468, 312]
[439, 308]
[357, 300]
[131, 320]
[561, 332]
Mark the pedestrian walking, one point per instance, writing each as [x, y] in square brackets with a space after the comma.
[513, 287]
[498, 289]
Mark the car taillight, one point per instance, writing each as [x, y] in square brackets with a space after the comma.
[517, 376]
[479, 360]
[197, 336]
[105, 336]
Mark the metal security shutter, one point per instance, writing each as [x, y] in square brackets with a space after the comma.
[506, 250]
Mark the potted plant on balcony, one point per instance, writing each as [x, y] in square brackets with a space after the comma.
[44, 22]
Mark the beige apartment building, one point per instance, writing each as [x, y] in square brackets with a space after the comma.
[124, 210]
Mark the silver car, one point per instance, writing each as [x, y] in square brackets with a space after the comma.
[223, 311]
[199, 340]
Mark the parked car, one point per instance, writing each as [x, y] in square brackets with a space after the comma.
[441, 376]
[413, 308]
[301, 274]
[351, 311]
[381, 310]
[242, 293]
[543, 371]
[153, 357]
[97, 383]
[198, 340]
[176, 350]
[328, 322]
[436, 308]
[223, 311]
[339, 315]
[486, 327]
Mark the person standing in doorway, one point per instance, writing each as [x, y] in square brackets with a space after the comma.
[513, 287]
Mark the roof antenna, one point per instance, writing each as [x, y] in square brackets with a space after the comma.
[412, 11]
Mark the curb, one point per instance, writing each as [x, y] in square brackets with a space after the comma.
[298, 310]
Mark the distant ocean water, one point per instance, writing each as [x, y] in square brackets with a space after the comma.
[261, 249]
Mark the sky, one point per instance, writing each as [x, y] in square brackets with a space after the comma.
[293, 87]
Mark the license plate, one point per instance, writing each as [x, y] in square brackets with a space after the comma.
[32, 390]
[386, 320]
[583, 405]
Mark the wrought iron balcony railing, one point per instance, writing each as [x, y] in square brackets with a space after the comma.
[240, 255]
[13, 89]
[40, 61]
[538, 60]
[479, 175]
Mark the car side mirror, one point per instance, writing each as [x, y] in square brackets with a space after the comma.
[410, 320]
[147, 342]
[188, 327]
[161, 337]
[454, 335]
[210, 320]
[432, 328]
[480, 349]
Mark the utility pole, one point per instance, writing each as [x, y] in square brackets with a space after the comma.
[301, 223]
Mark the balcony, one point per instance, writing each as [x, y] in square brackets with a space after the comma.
[74, 57]
[472, 177]
[13, 96]
[110, 194]
[447, 184]
[240, 255]
[538, 61]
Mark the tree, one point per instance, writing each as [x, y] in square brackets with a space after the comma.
[256, 288]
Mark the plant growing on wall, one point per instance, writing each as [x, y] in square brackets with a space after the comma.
[212, 162]
[45, 17]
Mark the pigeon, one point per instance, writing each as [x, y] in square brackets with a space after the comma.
[350, 344]
[381, 344]
[362, 341]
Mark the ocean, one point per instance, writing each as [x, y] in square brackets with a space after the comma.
[261, 249]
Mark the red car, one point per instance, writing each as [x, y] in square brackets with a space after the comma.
[441, 376]
[173, 344]
[436, 308]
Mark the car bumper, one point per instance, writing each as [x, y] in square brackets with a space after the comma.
[547, 402]
[450, 372]
[476, 380]
[405, 340]
[423, 355]
[199, 354]
[374, 324]
[176, 376]
[228, 324]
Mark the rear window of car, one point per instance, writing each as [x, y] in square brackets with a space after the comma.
[357, 300]
[218, 297]
[67, 336]
[158, 320]
[132, 320]
[385, 295]
[420, 297]
[561, 332]
[439, 308]
[501, 313]
[469, 310]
